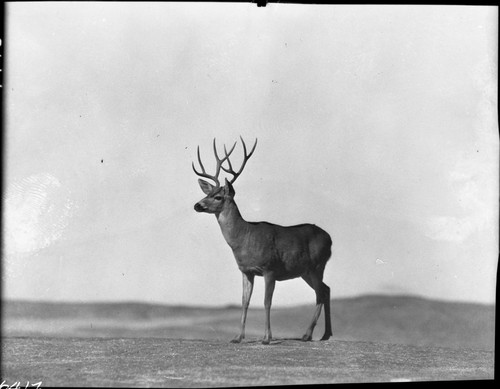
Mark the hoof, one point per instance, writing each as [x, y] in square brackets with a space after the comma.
[266, 341]
[236, 340]
[326, 337]
[307, 338]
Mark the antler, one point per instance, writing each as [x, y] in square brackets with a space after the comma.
[246, 157]
[215, 177]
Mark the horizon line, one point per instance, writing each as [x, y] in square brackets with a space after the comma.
[236, 305]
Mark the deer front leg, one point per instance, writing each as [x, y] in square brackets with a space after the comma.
[247, 293]
[268, 297]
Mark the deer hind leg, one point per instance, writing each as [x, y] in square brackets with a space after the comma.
[247, 293]
[326, 303]
[322, 299]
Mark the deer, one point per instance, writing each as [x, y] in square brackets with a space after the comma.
[271, 251]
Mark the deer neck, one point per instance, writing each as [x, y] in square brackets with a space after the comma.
[232, 224]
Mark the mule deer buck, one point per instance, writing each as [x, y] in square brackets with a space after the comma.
[275, 252]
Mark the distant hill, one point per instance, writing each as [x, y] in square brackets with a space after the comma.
[374, 318]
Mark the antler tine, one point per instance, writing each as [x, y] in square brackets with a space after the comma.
[225, 152]
[220, 161]
[246, 157]
[245, 149]
[203, 172]
[227, 156]
[201, 164]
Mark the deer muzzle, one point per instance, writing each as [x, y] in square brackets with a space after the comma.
[199, 208]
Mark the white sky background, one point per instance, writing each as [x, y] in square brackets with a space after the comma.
[377, 123]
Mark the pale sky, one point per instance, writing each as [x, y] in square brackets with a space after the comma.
[376, 123]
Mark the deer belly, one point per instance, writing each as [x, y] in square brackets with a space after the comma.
[252, 263]
[251, 266]
[281, 274]
[281, 269]
[291, 266]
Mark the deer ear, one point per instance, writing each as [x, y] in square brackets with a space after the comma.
[205, 186]
[230, 189]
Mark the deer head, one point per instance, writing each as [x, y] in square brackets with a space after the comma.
[217, 195]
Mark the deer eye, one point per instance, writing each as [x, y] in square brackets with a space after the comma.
[218, 198]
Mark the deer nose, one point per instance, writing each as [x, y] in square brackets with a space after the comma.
[198, 207]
